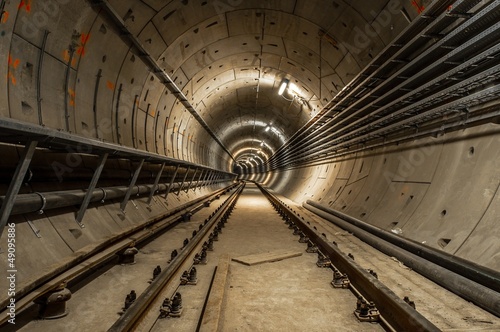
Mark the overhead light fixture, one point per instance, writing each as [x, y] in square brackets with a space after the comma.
[268, 128]
[284, 84]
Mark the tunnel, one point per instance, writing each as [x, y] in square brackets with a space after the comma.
[385, 111]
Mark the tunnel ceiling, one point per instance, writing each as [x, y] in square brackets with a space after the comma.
[230, 57]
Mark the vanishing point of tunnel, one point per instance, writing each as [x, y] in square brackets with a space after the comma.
[383, 112]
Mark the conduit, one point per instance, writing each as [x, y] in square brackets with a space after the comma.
[480, 274]
[36, 202]
[480, 295]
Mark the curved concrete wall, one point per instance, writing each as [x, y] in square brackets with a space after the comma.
[441, 191]
[67, 69]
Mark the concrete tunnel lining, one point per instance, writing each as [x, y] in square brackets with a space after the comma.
[67, 69]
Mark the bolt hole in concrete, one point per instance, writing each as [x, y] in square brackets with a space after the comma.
[443, 242]
[443, 213]
[471, 151]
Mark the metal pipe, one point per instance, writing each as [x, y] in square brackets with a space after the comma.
[399, 315]
[27, 203]
[480, 274]
[480, 295]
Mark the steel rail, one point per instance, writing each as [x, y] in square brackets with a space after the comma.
[398, 314]
[478, 294]
[480, 274]
[106, 251]
[133, 316]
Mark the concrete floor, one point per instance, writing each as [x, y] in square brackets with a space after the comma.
[288, 295]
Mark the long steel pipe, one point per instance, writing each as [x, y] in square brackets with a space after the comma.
[480, 274]
[480, 295]
[27, 203]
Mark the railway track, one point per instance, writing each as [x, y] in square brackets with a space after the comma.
[333, 287]
[109, 253]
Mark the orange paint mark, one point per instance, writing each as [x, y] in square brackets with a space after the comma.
[12, 78]
[26, 5]
[72, 95]
[110, 85]
[13, 63]
[84, 38]
[5, 16]
[418, 7]
[152, 113]
[66, 55]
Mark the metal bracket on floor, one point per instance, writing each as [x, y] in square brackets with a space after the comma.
[34, 229]
[127, 257]
[15, 183]
[189, 278]
[155, 185]
[131, 186]
[323, 260]
[366, 311]
[183, 181]
[171, 307]
[52, 305]
[311, 248]
[340, 280]
[90, 189]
